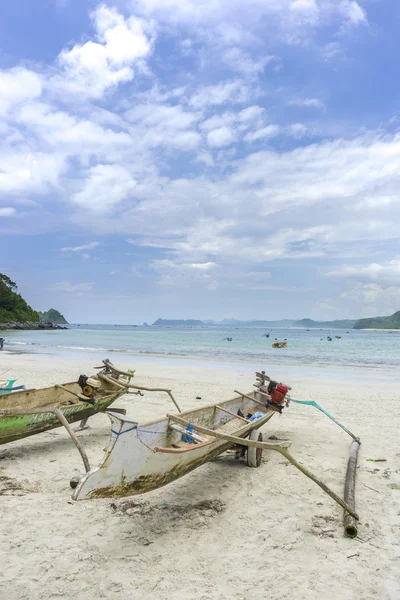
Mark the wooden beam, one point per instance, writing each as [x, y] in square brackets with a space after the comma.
[229, 412]
[139, 387]
[250, 398]
[77, 443]
[184, 431]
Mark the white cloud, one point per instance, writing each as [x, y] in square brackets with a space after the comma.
[221, 137]
[172, 273]
[353, 13]
[7, 211]
[69, 134]
[94, 66]
[24, 171]
[297, 130]
[227, 23]
[163, 159]
[242, 62]
[18, 85]
[309, 103]
[165, 125]
[88, 246]
[66, 286]
[269, 131]
[233, 92]
[386, 274]
[104, 187]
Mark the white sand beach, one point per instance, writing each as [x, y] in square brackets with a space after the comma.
[263, 533]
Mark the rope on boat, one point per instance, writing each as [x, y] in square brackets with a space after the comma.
[140, 431]
[328, 414]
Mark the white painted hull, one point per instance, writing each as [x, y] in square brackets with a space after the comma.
[141, 458]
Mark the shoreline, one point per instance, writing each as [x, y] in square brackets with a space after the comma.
[150, 362]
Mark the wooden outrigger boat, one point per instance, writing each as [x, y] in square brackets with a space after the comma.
[142, 458]
[33, 411]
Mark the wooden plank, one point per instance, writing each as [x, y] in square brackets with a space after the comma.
[252, 399]
[229, 412]
[77, 443]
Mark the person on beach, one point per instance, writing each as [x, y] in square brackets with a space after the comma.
[1, 343]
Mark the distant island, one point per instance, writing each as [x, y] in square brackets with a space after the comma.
[253, 323]
[52, 316]
[392, 322]
[230, 322]
[177, 323]
[339, 324]
[15, 312]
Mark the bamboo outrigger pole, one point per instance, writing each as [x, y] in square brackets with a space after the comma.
[350, 524]
[280, 447]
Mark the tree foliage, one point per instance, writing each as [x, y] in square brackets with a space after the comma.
[12, 306]
[52, 316]
[392, 322]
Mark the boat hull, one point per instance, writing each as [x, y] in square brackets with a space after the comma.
[17, 427]
[132, 466]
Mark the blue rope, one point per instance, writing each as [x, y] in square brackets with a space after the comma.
[328, 414]
[188, 438]
[121, 432]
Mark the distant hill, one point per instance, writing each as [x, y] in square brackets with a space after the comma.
[177, 323]
[340, 324]
[392, 322]
[52, 316]
[257, 323]
[228, 322]
[13, 308]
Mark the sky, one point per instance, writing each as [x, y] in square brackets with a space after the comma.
[201, 158]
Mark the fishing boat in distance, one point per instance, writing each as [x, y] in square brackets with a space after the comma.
[142, 458]
[278, 344]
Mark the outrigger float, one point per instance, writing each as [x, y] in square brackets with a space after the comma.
[7, 386]
[141, 458]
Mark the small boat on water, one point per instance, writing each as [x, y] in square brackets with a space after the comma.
[278, 344]
[141, 458]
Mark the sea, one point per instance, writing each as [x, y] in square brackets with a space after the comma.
[355, 353]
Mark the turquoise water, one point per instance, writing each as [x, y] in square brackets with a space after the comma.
[356, 349]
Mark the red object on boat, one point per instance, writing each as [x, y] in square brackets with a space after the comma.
[279, 393]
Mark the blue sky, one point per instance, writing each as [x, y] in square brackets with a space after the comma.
[198, 159]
